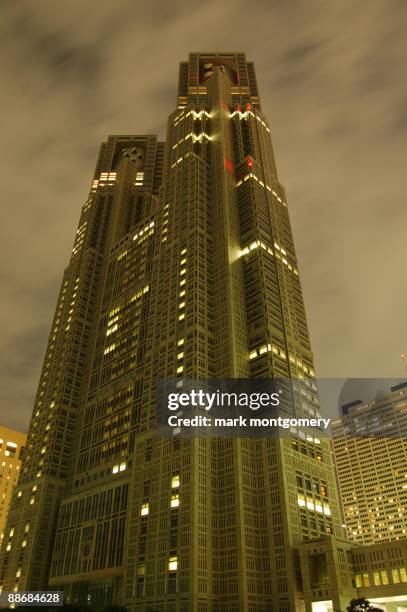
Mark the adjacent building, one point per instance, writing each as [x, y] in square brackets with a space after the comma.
[370, 447]
[11, 448]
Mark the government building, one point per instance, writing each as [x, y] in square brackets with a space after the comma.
[183, 267]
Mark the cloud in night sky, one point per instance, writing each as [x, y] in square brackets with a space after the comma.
[331, 78]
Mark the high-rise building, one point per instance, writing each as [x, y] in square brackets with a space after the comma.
[183, 266]
[11, 447]
[370, 446]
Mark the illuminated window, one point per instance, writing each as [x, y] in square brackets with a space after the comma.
[366, 580]
[175, 500]
[395, 575]
[145, 509]
[172, 564]
[359, 582]
[175, 481]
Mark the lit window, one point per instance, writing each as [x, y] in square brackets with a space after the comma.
[145, 509]
[175, 481]
[172, 564]
[122, 467]
[175, 501]
[115, 469]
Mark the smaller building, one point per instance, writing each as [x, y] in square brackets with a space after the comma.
[11, 449]
[335, 572]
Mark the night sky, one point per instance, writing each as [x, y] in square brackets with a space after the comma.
[332, 79]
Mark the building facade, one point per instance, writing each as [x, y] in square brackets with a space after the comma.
[11, 448]
[370, 447]
[336, 571]
[183, 266]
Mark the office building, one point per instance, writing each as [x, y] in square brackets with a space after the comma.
[370, 446]
[183, 266]
[11, 447]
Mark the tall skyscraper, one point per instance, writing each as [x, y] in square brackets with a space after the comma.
[370, 446]
[183, 266]
[11, 447]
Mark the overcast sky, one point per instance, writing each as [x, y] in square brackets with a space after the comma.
[332, 78]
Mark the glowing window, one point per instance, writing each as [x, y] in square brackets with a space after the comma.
[172, 564]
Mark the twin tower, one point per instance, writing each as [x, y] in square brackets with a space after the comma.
[183, 266]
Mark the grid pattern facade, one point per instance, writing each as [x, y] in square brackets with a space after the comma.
[370, 446]
[183, 267]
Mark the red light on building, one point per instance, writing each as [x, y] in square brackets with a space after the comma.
[248, 107]
[250, 162]
[228, 165]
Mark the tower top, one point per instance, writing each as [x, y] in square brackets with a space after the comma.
[194, 73]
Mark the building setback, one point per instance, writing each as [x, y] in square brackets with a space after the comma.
[183, 266]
